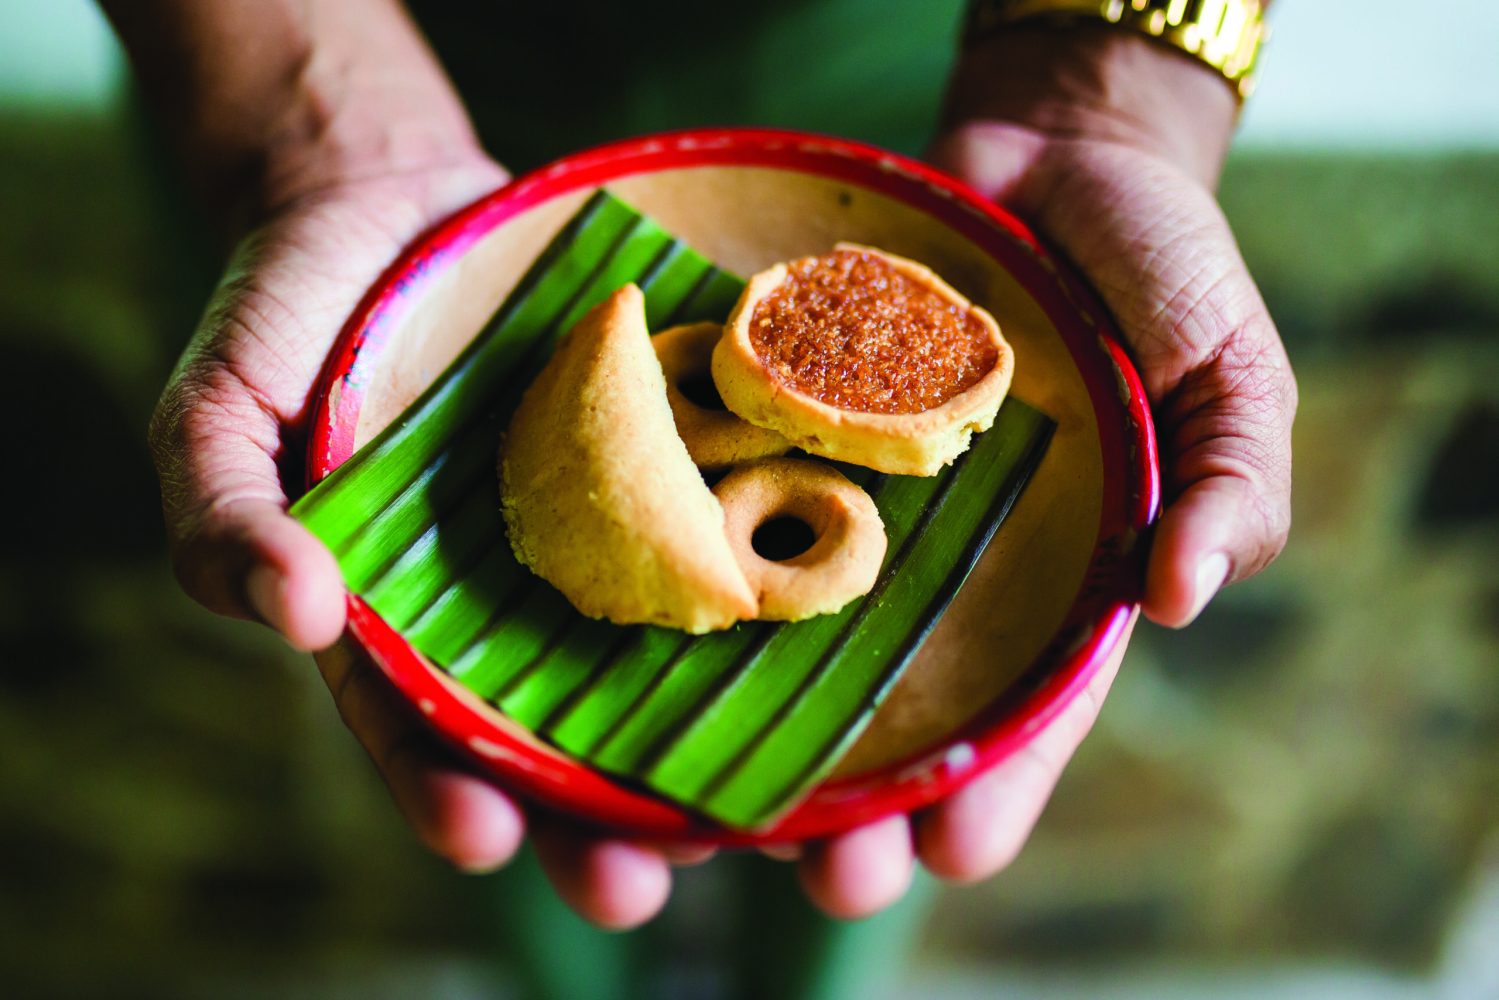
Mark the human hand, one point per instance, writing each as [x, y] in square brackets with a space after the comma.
[1153, 243]
[220, 437]
[1109, 145]
[329, 131]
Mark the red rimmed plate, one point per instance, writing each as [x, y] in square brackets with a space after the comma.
[1052, 596]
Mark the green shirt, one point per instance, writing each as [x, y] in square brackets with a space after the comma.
[546, 79]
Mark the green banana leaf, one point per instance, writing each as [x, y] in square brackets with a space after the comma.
[737, 725]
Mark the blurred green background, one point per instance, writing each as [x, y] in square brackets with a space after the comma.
[1297, 797]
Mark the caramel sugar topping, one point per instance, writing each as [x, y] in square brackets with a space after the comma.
[851, 331]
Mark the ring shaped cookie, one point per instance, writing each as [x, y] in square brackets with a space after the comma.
[843, 561]
[714, 438]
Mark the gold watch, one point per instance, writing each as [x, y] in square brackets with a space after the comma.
[1225, 34]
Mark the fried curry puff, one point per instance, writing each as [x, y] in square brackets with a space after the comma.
[599, 493]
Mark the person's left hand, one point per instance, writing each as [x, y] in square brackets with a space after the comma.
[1109, 144]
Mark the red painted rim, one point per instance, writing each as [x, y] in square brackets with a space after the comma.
[1093, 628]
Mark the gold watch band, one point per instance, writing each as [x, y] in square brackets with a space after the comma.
[1225, 34]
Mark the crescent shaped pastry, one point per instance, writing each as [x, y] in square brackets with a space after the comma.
[848, 544]
[866, 357]
[715, 438]
[599, 493]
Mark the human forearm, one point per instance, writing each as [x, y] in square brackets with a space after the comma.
[268, 100]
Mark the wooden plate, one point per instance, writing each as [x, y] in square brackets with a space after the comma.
[1051, 598]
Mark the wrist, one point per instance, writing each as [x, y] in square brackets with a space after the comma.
[322, 144]
[270, 101]
[1098, 82]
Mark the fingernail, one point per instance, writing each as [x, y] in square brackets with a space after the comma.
[262, 589]
[1211, 572]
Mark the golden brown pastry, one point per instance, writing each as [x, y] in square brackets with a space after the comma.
[599, 493]
[715, 438]
[866, 357]
[848, 543]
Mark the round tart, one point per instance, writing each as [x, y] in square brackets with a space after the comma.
[865, 357]
[847, 537]
[599, 493]
[714, 436]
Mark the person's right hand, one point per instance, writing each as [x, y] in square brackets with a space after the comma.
[329, 132]
[226, 427]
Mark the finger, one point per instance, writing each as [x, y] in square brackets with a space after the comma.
[248, 559]
[979, 829]
[859, 873]
[233, 547]
[456, 814]
[1159, 251]
[1227, 445]
[1201, 536]
[218, 432]
[615, 884]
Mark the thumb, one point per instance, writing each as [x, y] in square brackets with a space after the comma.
[1226, 439]
[1155, 245]
[247, 558]
[233, 547]
[1200, 545]
[248, 374]
[1162, 257]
